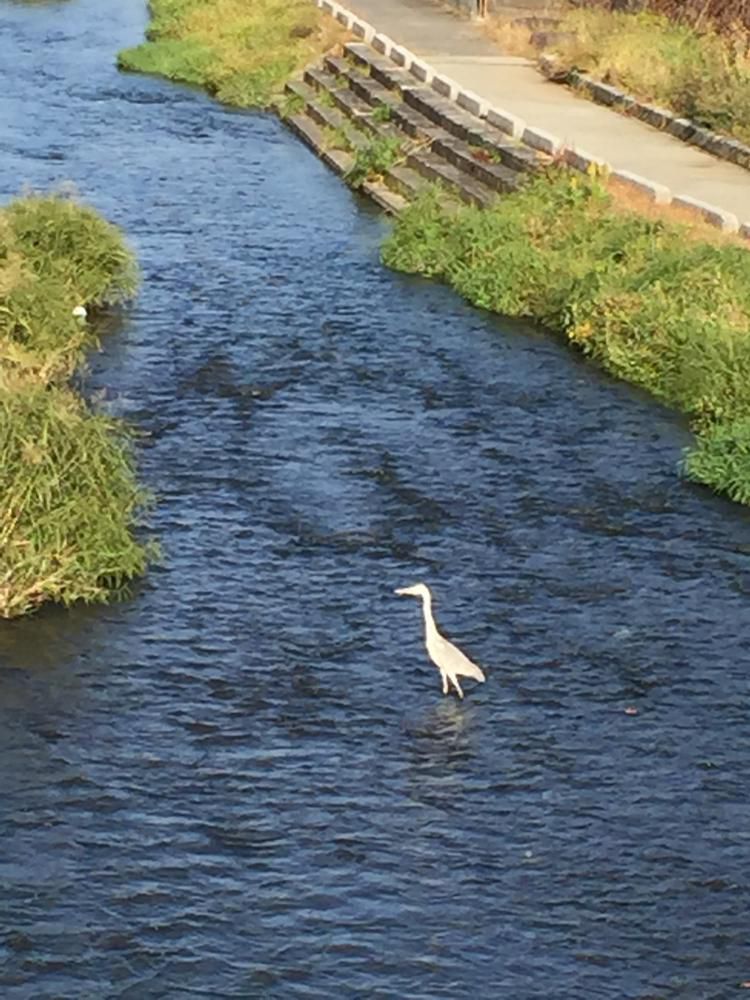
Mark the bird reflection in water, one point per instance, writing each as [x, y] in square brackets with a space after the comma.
[441, 749]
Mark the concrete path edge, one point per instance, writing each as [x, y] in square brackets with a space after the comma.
[720, 146]
[534, 138]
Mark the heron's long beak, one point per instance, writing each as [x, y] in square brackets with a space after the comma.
[404, 591]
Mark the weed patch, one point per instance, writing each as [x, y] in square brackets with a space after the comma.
[373, 160]
[69, 501]
[56, 254]
[382, 114]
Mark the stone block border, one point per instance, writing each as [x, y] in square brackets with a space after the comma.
[681, 128]
[544, 142]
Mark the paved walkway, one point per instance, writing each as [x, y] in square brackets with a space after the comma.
[458, 48]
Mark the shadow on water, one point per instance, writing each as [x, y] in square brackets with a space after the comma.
[243, 781]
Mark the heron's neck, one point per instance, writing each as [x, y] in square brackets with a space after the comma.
[430, 627]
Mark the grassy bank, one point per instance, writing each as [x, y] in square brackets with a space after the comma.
[55, 255]
[645, 298]
[68, 494]
[241, 52]
[700, 74]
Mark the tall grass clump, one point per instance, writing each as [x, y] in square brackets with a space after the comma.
[69, 501]
[242, 53]
[56, 254]
[641, 296]
[700, 74]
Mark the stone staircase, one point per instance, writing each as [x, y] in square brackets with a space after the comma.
[359, 109]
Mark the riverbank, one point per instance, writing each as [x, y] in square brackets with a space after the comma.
[659, 303]
[69, 500]
[642, 297]
[242, 54]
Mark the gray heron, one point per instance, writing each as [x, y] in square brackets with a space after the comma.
[449, 659]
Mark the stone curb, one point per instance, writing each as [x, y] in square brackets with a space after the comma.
[506, 122]
[542, 141]
[725, 221]
[681, 128]
[658, 193]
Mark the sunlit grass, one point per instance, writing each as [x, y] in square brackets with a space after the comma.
[69, 500]
[243, 53]
[56, 254]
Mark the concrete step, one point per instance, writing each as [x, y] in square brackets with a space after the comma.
[313, 92]
[441, 143]
[406, 118]
[406, 181]
[350, 103]
[364, 114]
[499, 176]
[445, 114]
[335, 65]
[379, 68]
[434, 168]
[369, 90]
[337, 159]
[477, 162]
[391, 201]
[436, 111]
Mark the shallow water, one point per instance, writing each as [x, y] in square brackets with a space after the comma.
[244, 781]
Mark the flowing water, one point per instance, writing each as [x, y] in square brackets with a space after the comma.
[244, 781]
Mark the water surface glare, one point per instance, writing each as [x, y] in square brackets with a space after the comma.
[244, 782]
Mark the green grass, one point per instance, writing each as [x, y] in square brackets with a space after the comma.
[382, 113]
[702, 75]
[643, 297]
[56, 254]
[69, 500]
[289, 105]
[241, 52]
[373, 160]
[337, 138]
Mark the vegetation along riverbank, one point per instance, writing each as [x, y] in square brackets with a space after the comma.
[242, 53]
[69, 500]
[652, 301]
[659, 303]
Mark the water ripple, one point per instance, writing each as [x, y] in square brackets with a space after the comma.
[244, 782]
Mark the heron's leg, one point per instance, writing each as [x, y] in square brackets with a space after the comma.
[457, 686]
[445, 683]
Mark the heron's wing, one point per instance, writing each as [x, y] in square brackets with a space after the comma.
[450, 658]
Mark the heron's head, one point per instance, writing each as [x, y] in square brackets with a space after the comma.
[417, 590]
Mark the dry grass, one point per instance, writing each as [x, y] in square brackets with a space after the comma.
[513, 39]
[694, 229]
[693, 69]
[702, 75]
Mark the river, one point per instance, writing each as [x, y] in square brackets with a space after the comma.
[244, 781]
